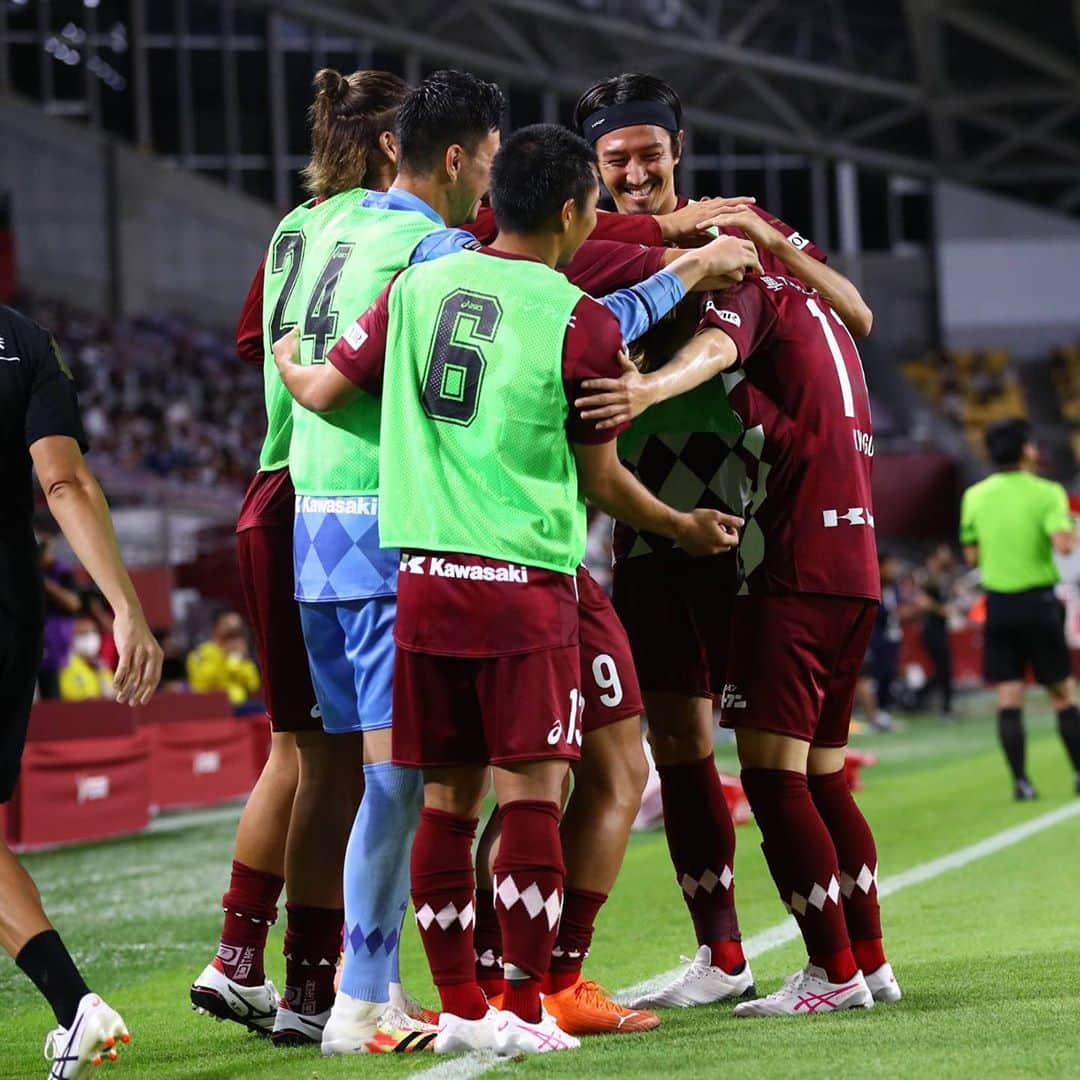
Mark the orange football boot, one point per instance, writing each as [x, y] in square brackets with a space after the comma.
[586, 1009]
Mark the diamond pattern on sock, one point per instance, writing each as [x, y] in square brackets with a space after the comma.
[372, 941]
[532, 899]
[447, 916]
[488, 959]
[818, 897]
[864, 881]
[708, 881]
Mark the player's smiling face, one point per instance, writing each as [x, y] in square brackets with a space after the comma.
[637, 166]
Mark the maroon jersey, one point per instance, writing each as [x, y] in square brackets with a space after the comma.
[688, 464]
[442, 608]
[801, 395]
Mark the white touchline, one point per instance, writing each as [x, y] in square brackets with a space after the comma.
[476, 1064]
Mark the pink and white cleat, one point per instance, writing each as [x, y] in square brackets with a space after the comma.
[809, 992]
[516, 1036]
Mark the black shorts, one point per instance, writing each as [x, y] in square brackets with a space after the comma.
[21, 627]
[1022, 629]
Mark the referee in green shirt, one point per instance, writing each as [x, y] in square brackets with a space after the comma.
[1011, 524]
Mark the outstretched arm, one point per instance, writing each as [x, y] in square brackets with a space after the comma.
[321, 388]
[841, 294]
[614, 402]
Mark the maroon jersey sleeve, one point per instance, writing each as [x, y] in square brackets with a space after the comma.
[249, 331]
[796, 239]
[745, 314]
[590, 351]
[483, 228]
[602, 266]
[629, 228]
[361, 354]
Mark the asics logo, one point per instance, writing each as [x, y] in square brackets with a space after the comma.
[812, 1003]
[554, 736]
[316, 712]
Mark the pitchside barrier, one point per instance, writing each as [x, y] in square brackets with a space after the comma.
[95, 769]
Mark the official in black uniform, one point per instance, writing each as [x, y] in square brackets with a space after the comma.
[40, 426]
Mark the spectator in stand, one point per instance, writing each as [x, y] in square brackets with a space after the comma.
[62, 604]
[86, 676]
[934, 601]
[224, 663]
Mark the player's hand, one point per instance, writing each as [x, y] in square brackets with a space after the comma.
[286, 348]
[753, 226]
[729, 258]
[612, 402]
[708, 532]
[685, 227]
[138, 671]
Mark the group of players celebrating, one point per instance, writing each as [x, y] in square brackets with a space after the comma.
[459, 351]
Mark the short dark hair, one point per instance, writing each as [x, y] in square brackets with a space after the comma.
[621, 90]
[1005, 441]
[535, 171]
[448, 107]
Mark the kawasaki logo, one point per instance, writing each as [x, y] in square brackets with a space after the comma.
[435, 566]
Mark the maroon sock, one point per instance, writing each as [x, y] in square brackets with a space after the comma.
[857, 857]
[312, 946]
[487, 944]
[803, 864]
[856, 853]
[701, 839]
[443, 895]
[580, 908]
[250, 905]
[528, 877]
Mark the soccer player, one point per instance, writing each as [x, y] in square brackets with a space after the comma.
[676, 611]
[1011, 524]
[294, 828]
[40, 427]
[800, 627]
[479, 488]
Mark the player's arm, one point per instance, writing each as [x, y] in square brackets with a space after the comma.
[1060, 524]
[55, 437]
[733, 327]
[841, 294]
[249, 329]
[640, 307]
[355, 363]
[608, 484]
[969, 537]
[76, 502]
[612, 402]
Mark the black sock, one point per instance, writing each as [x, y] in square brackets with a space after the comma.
[1069, 730]
[1011, 734]
[53, 972]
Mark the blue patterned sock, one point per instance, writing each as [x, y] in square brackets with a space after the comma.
[377, 879]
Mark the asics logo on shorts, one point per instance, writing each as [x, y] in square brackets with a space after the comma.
[436, 566]
[554, 736]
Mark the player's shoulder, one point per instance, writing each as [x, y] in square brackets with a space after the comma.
[22, 337]
[594, 318]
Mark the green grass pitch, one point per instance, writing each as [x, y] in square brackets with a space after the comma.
[988, 955]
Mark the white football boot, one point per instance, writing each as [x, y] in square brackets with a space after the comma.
[457, 1033]
[298, 1029]
[254, 1007]
[808, 992]
[371, 1027]
[883, 985]
[702, 983]
[516, 1036]
[94, 1036]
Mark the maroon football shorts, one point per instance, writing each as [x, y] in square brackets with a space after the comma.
[677, 614]
[266, 575]
[795, 659]
[609, 680]
[451, 710]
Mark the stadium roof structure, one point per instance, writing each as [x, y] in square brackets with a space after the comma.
[982, 91]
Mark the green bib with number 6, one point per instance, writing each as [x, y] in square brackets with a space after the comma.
[327, 263]
[475, 455]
